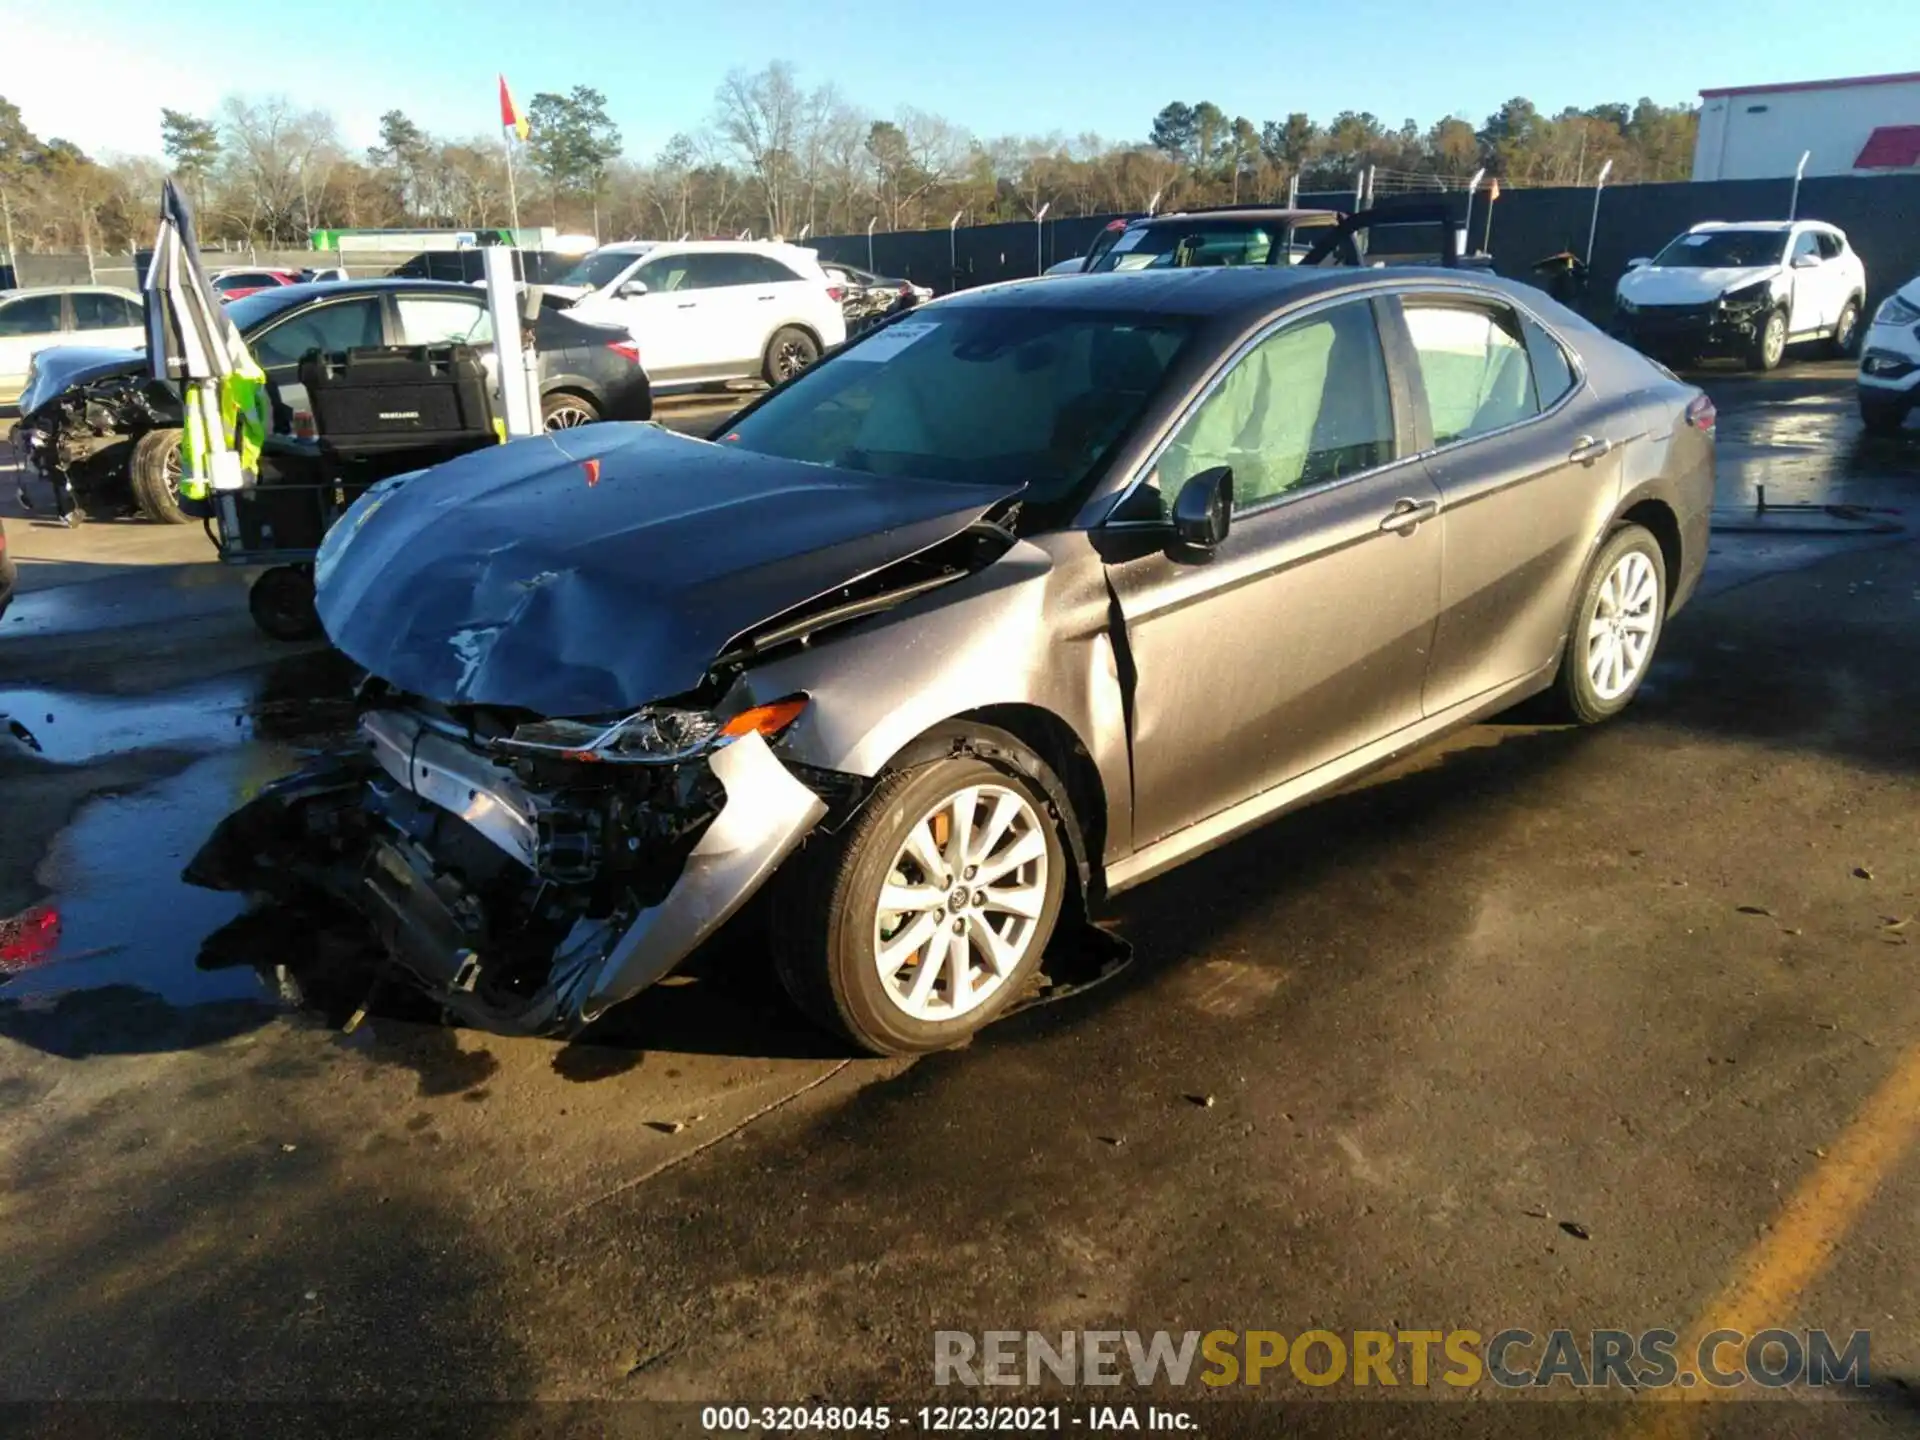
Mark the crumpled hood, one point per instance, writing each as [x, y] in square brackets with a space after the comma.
[598, 569]
[58, 370]
[1681, 285]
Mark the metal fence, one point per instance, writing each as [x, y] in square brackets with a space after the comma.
[1881, 215]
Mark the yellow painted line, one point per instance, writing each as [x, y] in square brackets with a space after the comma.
[1806, 1233]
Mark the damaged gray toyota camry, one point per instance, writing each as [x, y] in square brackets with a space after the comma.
[1012, 604]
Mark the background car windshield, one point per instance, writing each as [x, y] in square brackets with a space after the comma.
[1159, 247]
[598, 269]
[994, 396]
[1728, 249]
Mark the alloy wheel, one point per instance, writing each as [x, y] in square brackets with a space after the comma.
[567, 415]
[1775, 340]
[790, 359]
[1621, 628]
[962, 902]
[172, 470]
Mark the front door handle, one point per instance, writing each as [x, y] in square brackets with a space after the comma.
[1408, 513]
[686, 304]
[1587, 449]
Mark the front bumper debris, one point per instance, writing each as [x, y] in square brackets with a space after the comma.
[1694, 329]
[522, 907]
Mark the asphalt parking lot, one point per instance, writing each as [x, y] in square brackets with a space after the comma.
[1598, 1029]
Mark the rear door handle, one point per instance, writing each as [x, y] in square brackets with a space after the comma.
[1587, 449]
[1408, 513]
[686, 304]
[769, 297]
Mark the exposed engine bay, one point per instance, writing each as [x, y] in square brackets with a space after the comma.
[529, 872]
[81, 442]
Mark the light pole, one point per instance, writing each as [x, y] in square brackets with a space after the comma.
[1793, 209]
[953, 248]
[1039, 249]
[1593, 227]
[870, 224]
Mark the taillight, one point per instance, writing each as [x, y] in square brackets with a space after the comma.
[1701, 415]
[835, 293]
[626, 350]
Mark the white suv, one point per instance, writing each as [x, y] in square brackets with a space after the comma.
[712, 310]
[1890, 365]
[1748, 289]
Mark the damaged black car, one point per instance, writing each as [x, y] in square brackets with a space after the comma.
[104, 436]
[1014, 602]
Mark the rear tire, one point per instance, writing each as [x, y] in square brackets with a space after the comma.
[832, 935]
[1882, 417]
[564, 410]
[154, 472]
[1617, 623]
[1769, 346]
[790, 351]
[1846, 331]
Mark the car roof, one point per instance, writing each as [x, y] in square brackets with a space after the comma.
[1246, 212]
[374, 285]
[1771, 225]
[1214, 291]
[20, 290]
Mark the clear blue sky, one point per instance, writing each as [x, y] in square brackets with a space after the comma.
[97, 71]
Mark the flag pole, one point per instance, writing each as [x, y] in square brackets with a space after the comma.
[513, 198]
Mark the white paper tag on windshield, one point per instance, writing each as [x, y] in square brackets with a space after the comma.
[1128, 239]
[892, 340]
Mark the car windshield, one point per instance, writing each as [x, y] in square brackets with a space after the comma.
[1724, 249]
[1170, 245]
[598, 269]
[988, 394]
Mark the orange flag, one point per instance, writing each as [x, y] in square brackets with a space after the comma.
[511, 118]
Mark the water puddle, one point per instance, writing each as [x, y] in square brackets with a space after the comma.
[118, 960]
[303, 695]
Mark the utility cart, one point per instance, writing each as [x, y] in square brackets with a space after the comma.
[377, 412]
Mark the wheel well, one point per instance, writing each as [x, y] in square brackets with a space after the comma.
[1658, 518]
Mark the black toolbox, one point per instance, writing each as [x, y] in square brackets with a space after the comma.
[399, 397]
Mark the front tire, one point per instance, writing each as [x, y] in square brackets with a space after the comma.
[790, 351]
[926, 916]
[1882, 417]
[154, 472]
[1769, 346]
[1617, 623]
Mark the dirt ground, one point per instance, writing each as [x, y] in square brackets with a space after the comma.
[1545, 1028]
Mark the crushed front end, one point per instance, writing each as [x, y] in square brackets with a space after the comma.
[529, 873]
[81, 440]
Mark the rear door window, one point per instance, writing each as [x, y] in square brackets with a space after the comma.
[442, 320]
[1553, 373]
[1473, 366]
[95, 311]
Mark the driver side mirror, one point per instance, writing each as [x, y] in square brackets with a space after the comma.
[632, 290]
[1805, 262]
[1203, 510]
[1639, 262]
